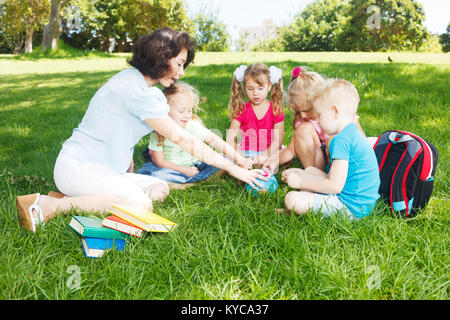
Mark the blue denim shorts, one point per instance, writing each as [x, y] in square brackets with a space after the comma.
[170, 175]
[250, 153]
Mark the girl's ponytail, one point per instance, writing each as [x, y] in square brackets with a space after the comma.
[301, 88]
[236, 105]
[276, 96]
[276, 92]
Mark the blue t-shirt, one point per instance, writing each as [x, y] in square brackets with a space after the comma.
[114, 121]
[360, 191]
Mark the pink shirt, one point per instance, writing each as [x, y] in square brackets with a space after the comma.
[323, 136]
[257, 133]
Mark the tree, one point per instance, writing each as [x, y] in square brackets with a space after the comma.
[210, 33]
[109, 24]
[12, 31]
[384, 25]
[317, 27]
[444, 39]
[20, 19]
[35, 15]
[356, 25]
[53, 29]
[144, 16]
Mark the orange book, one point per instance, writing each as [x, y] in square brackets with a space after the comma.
[121, 225]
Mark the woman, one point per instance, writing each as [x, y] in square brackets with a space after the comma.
[94, 167]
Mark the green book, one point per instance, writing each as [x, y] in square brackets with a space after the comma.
[92, 227]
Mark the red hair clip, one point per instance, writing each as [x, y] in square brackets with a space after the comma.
[296, 72]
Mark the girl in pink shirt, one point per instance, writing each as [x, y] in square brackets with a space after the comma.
[259, 121]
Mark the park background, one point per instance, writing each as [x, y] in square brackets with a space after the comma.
[55, 54]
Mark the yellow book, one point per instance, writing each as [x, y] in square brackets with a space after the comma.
[143, 218]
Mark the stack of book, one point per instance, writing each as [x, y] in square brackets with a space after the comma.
[99, 235]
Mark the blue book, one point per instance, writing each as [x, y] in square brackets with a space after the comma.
[91, 227]
[96, 247]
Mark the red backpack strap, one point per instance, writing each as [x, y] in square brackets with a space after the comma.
[398, 196]
[427, 166]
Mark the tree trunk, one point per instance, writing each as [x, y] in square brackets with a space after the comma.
[53, 29]
[29, 41]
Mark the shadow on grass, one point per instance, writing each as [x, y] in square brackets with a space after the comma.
[62, 52]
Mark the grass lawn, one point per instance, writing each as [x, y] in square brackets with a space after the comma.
[228, 245]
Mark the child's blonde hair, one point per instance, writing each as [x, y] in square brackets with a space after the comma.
[302, 87]
[261, 75]
[340, 93]
[181, 88]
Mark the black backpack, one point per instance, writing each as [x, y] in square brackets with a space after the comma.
[407, 165]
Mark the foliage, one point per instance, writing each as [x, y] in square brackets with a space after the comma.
[339, 25]
[114, 24]
[21, 17]
[210, 33]
[62, 51]
[317, 27]
[444, 39]
[431, 44]
[400, 28]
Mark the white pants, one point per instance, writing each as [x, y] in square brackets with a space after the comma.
[75, 178]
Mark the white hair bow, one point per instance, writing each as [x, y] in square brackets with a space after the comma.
[239, 73]
[275, 74]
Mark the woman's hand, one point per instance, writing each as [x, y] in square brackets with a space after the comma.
[272, 164]
[245, 163]
[248, 176]
[131, 167]
[260, 159]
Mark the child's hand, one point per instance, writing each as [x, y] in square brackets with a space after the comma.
[293, 177]
[271, 165]
[190, 171]
[260, 159]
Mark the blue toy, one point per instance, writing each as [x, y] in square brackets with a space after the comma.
[270, 186]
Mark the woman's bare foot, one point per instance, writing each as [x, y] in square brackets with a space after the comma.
[180, 186]
[158, 191]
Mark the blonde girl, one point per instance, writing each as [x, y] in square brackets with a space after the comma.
[309, 141]
[169, 162]
[260, 121]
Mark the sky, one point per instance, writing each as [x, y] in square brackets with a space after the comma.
[237, 14]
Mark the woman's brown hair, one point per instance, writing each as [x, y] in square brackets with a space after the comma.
[151, 53]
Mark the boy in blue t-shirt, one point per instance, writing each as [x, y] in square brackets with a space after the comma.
[352, 183]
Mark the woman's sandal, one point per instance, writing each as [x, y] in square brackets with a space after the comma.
[56, 194]
[25, 206]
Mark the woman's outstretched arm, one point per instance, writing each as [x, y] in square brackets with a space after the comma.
[167, 127]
